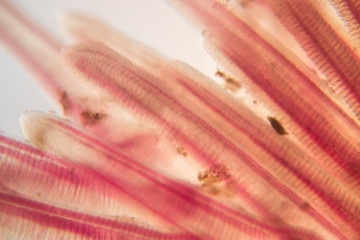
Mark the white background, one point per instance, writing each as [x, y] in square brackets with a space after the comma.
[153, 22]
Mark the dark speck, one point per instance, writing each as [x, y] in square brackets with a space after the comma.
[276, 125]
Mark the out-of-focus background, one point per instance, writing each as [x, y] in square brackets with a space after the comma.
[152, 22]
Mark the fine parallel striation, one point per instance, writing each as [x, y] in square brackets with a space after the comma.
[270, 160]
[190, 210]
[293, 174]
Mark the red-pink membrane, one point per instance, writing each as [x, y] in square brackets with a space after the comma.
[84, 28]
[324, 46]
[39, 52]
[311, 123]
[211, 122]
[232, 45]
[77, 26]
[24, 218]
[338, 136]
[55, 182]
[176, 202]
[299, 202]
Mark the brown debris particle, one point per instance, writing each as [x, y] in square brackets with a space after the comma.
[202, 176]
[217, 181]
[90, 118]
[305, 206]
[230, 83]
[216, 173]
[220, 74]
[210, 188]
[277, 126]
[64, 101]
[182, 151]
